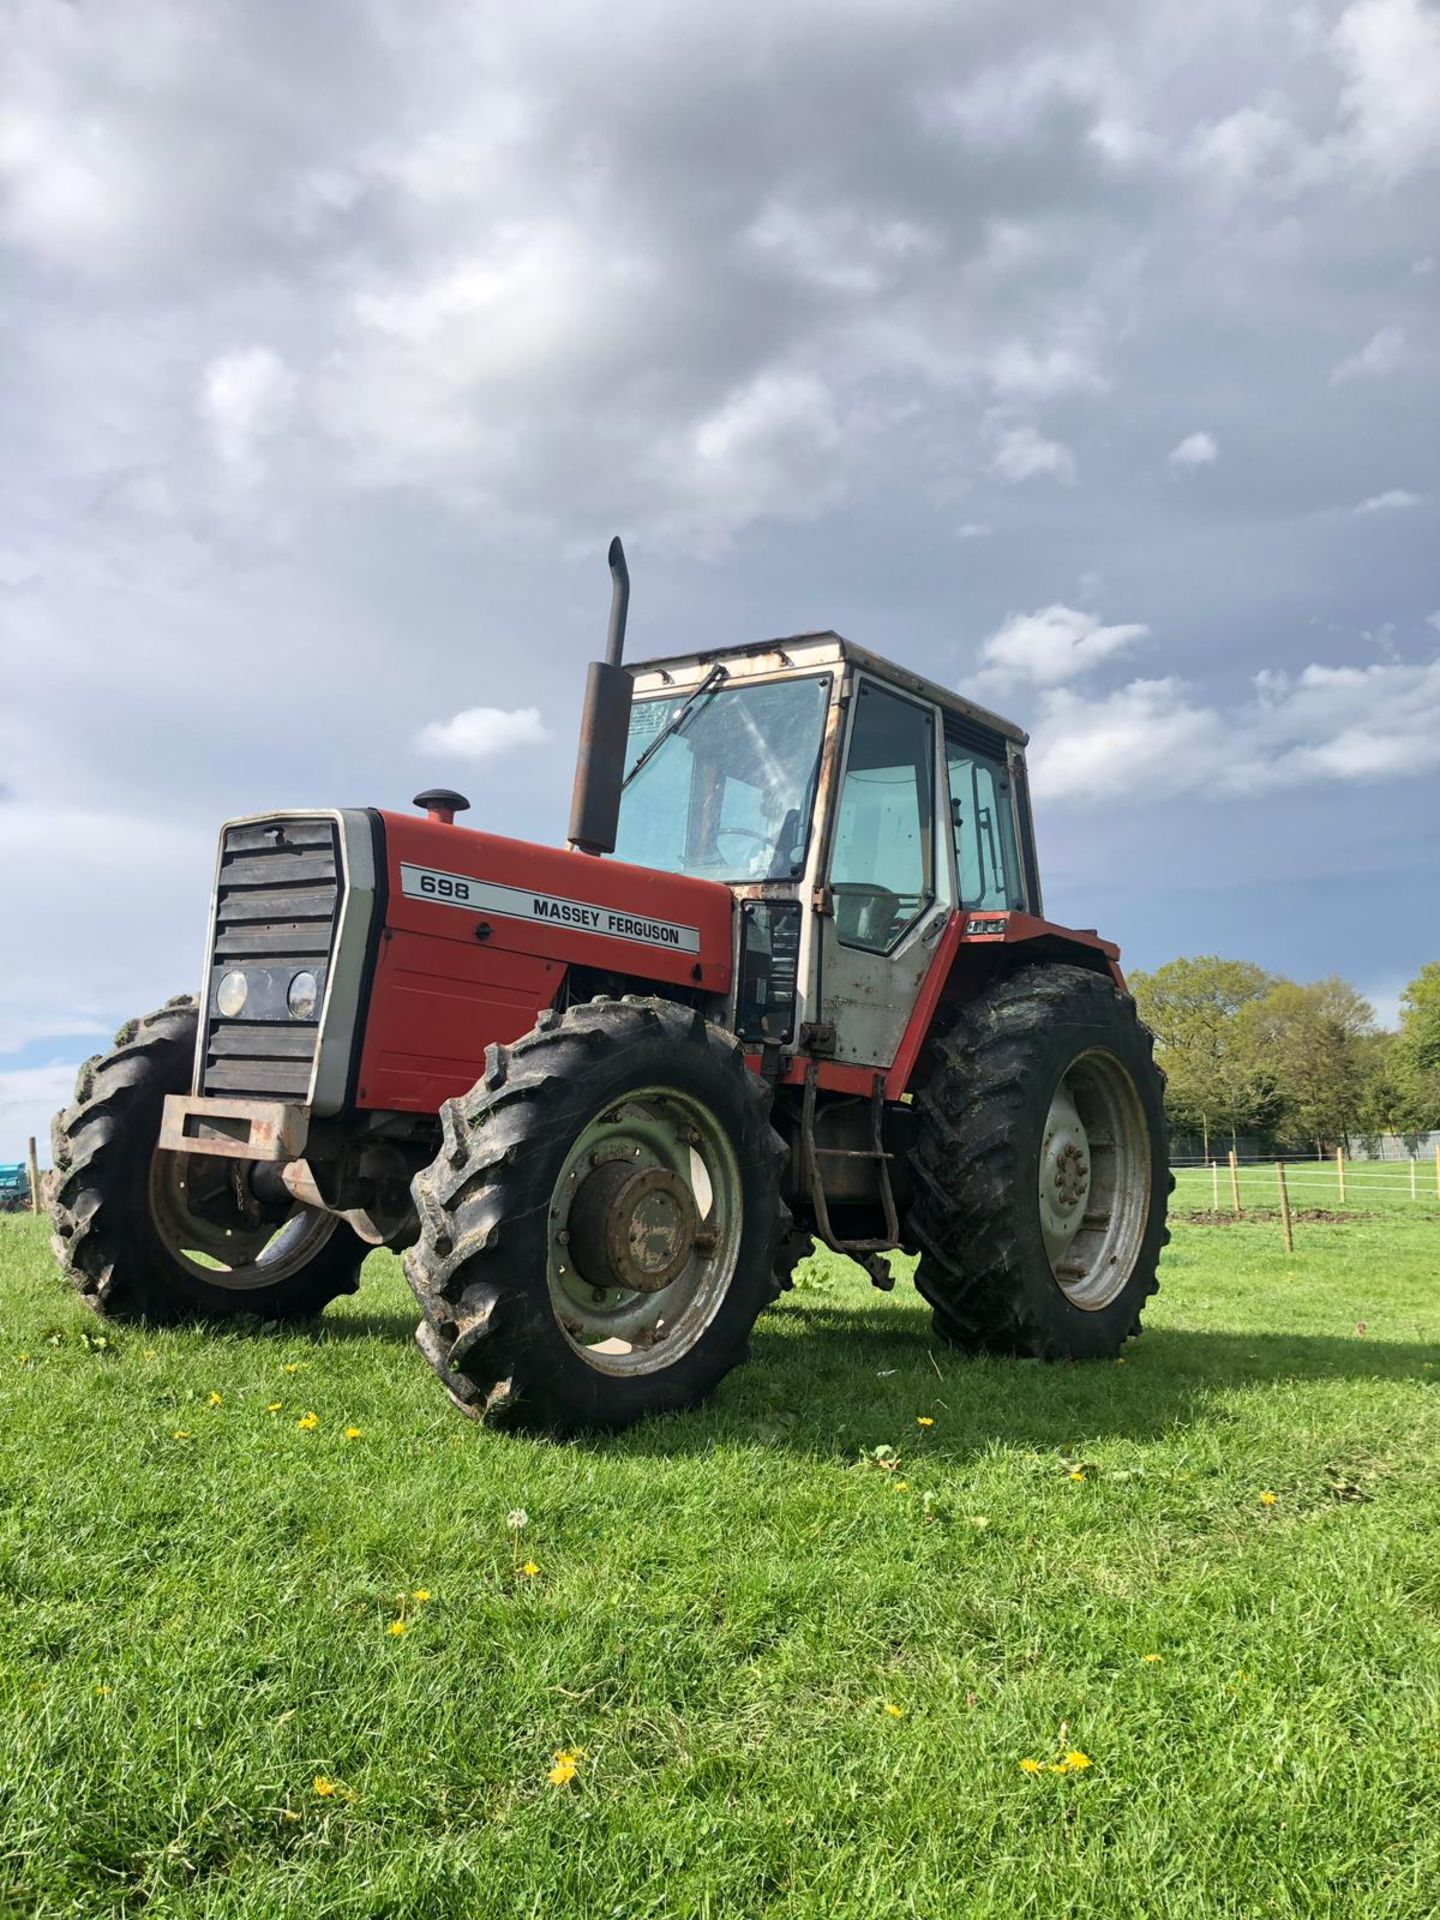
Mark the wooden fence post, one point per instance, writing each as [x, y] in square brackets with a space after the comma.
[1215, 1183]
[1340, 1171]
[1284, 1207]
[1235, 1182]
[34, 1178]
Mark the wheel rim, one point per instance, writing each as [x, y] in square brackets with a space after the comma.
[230, 1247]
[650, 1195]
[1094, 1180]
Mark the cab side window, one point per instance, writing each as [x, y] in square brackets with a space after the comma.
[883, 865]
[984, 825]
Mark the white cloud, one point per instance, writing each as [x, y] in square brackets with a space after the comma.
[1195, 450]
[1024, 453]
[481, 733]
[247, 397]
[1324, 725]
[1017, 370]
[29, 1098]
[1053, 645]
[975, 530]
[1389, 54]
[1381, 354]
[1433, 620]
[1391, 501]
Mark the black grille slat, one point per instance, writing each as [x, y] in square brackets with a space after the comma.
[240, 1042]
[278, 903]
[282, 867]
[305, 937]
[259, 1077]
[276, 911]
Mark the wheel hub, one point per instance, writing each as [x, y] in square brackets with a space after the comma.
[1064, 1174]
[632, 1227]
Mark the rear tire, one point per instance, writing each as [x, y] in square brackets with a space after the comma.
[117, 1204]
[1041, 1171]
[519, 1216]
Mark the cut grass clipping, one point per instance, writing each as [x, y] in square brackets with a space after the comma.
[883, 1631]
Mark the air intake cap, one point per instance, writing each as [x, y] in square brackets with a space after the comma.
[442, 804]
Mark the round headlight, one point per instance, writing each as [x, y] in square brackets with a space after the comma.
[304, 996]
[231, 992]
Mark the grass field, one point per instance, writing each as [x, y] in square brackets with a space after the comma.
[800, 1673]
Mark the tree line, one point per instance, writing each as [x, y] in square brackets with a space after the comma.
[1289, 1065]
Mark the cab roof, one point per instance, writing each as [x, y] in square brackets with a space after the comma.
[826, 647]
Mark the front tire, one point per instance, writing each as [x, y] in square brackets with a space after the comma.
[149, 1235]
[600, 1229]
[1041, 1170]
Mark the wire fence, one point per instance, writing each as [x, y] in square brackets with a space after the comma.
[1304, 1188]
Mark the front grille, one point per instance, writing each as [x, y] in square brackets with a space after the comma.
[277, 902]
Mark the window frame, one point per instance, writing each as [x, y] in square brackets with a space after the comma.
[930, 892]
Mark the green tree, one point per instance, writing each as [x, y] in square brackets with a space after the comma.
[1418, 1050]
[1316, 1041]
[1192, 1005]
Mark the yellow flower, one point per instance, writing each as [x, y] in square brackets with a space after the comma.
[565, 1767]
[102, 1690]
[276, 1406]
[1076, 1761]
[529, 1569]
[1267, 1499]
[352, 1433]
[181, 1434]
[1057, 1766]
[902, 1486]
[217, 1399]
[895, 1713]
[308, 1422]
[1031, 1766]
[1151, 1658]
[397, 1627]
[324, 1787]
[923, 1420]
[1076, 1474]
[422, 1594]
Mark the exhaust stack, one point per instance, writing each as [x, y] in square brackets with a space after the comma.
[604, 727]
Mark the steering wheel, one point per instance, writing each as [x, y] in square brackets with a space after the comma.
[748, 833]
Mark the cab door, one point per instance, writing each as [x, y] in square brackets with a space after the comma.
[889, 881]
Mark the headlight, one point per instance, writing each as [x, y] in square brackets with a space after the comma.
[304, 996]
[231, 992]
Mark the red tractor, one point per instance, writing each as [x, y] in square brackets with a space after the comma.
[606, 1104]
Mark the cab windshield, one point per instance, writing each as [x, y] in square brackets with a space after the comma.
[728, 792]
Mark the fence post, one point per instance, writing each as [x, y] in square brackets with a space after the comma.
[1413, 1191]
[34, 1178]
[1235, 1182]
[1437, 1167]
[1215, 1182]
[1340, 1171]
[1284, 1207]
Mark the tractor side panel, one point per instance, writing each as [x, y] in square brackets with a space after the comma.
[479, 932]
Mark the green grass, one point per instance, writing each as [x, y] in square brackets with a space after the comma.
[191, 1630]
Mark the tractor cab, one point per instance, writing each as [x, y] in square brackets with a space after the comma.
[852, 807]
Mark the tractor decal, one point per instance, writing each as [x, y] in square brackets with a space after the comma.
[517, 903]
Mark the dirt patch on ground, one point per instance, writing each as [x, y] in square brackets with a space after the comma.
[1207, 1217]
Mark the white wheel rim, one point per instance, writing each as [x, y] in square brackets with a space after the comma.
[623, 1331]
[1094, 1180]
[242, 1258]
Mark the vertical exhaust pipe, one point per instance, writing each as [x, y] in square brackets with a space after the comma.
[604, 727]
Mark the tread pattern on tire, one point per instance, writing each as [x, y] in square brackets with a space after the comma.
[471, 1286]
[965, 1163]
[91, 1189]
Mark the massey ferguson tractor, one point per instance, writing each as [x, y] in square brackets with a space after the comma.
[605, 1104]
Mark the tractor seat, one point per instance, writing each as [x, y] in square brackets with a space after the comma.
[865, 915]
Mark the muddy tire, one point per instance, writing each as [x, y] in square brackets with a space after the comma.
[1040, 1170]
[118, 1207]
[602, 1225]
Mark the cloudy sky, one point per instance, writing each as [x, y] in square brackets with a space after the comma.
[1082, 355]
